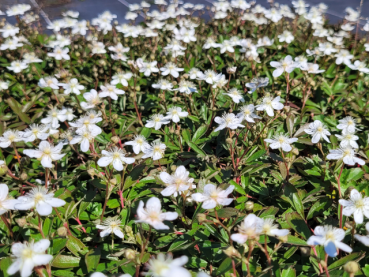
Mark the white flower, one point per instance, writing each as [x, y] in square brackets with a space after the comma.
[257, 83]
[6, 203]
[187, 87]
[348, 139]
[9, 30]
[92, 98]
[11, 44]
[286, 36]
[60, 54]
[163, 84]
[235, 94]
[110, 91]
[327, 48]
[347, 154]
[213, 196]
[111, 225]
[187, 35]
[210, 76]
[54, 116]
[40, 199]
[250, 228]
[301, 61]
[284, 65]
[330, 237]
[46, 152]
[358, 65]
[364, 239]
[17, 66]
[318, 131]
[73, 14]
[156, 121]
[116, 157]
[148, 68]
[139, 143]
[269, 105]
[210, 43]
[347, 124]
[9, 137]
[121, 78]
[155, 151]
[162, 266]
[357, 205]
[89, 123]
[269, 228]
[72, 87]
[153, 215]
[4, 85]
[172, 69]
[48, 82]
[56, 25]
[226, 46]
[281, 142]
[177, 182]
[31, 58]
[175, 114]
[98, 48]
[27, 255]
[175, 45]
[80, 28]
[99, 274]
[312, 68]
[35, 131]
[84, 137]
[247, 113]
[18, 10]
[273, 14]
[228, 120]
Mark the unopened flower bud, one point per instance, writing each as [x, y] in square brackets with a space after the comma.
[23, 176]
[323, 263]
[21, 222]
[283, 239]
[201, 217]
[115, 116]
[137, 88]
[113, 181]
[229, 140]
[351, 267]
[232, 252]
[62, 231]
[249, 205]
[91, 172]
[295, 151]
[287, 108]
[177, 132]
[130, 254]
[3, 169]
[56, 135]
[115, 139]
[173, 168]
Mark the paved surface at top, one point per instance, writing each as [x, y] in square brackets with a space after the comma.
[89, 9]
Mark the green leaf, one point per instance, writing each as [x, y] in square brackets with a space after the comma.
[195, 148]
[290, 120]
[182, 243]
[318, 208]
[226, 212]
[199, 133]
[194, 118]
[296, 241]
[341, 262]
[256, 155]
[76, 246]
[58, 244]
[298, 224]
[224, 266]
[92, 259]
[17, 108]
[289, 272]
[4, 265]
[63, 261]
[186, 135]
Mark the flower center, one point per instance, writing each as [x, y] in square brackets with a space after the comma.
[12, 137]
[47, 151]
[330, 236]
[359, 204]
[39, 197]
[27, 253]
[116, 155]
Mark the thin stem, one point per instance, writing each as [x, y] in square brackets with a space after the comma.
[340, 195]
[7, 224]
[225, 228]
[40, 226]
[106, 198]
[46, 177]
[326, 265]
[251, 247]
[16, 153]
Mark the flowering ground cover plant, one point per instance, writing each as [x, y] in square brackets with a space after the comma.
[182, 147]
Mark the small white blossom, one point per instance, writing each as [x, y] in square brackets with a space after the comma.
[9, 137]
[35, 131]
[139, 143]
[40, 199]
[109, 226]
[281, 142]
[156, 121]
[72, 87]
[155, 151]
[213, 196]
[347, 154]
[6, 202]
[236, 95]
[247, 113]
[331, 238]
[228, 120]
[269, 105]
[250, 228]
[153, 215]
[176, 183]
[46, 153]
[356, 205]
[115, 157]
[175, 114]
[348, 139]
[110, 91]
[318, 131]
